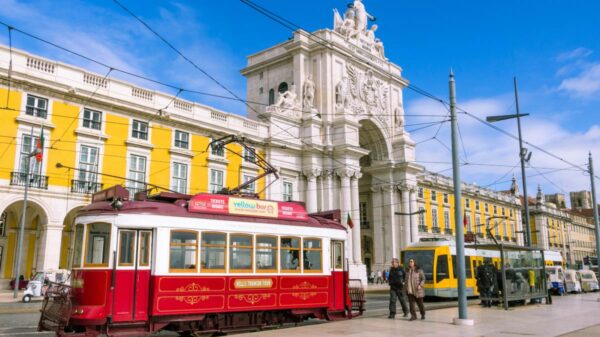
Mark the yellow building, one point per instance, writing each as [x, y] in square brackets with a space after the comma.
[101, 131]
[484, 209]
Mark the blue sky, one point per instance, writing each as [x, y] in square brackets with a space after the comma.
[551, 46]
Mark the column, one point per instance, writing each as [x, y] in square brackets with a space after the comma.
[378, 230]
[346, 205]
[356, 239]
[390, 231]
[405, 217]
[328, 194]
[311, 189]
[414, 220]
[49, 247]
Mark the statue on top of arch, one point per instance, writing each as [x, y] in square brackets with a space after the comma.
[354, 26]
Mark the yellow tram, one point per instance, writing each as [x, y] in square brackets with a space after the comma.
[438, 261]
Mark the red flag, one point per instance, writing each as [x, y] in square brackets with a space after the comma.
[465, 220]
[349, 221]
[39, 147]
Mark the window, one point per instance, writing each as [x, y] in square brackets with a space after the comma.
[476, 205]
[271, 96]
[182, 139]
[139, 130]
[126, 247]
[505, 228]
[290, 254]
[266, 254]
[433, 195]
[217, 149]
[92, 119]
[434, 218]
[97, 245]
[511, 213]
[179, 179]
[250, 155]
[288, 191]
[421, 217]
[468, 222]
[250, 189]
[503, 211]
[312, 255]
[445, 198]
[212, 252]
[36, 106]
[338, 255]
[364, 216]
[3, 224]
[183, 251]
[420, 192]
[88, 169]
[467, 203]
[27, 147]
[137, 174]
[77, 251]
[240, 253]
[485, 207]
[442, 268]
[145, 245]
[216, 181]
[447, 219]
[261, 90]
[495, 209]
[283, 87]
[477, 224]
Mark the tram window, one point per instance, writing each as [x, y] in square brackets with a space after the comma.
[290, 254]
[338, 255]
[240, 253]
[467, 267]
[424, 259]
[126, 247]
[212, 252]
[442, 268]
[183, 251]
[97, 245]
[312, 255]
[144, 253]
[78, 245]
[266, 254]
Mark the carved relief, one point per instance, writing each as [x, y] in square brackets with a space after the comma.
[308, 93]
[354, 28]
[367, 94]
[191, 300]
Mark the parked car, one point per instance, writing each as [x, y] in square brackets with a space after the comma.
[38, 283]
[588, 279]
[572, 284]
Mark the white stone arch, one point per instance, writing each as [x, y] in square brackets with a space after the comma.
[39, 202]
[372, 137]
[68, 236]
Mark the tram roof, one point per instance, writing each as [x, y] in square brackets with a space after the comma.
[199, 206]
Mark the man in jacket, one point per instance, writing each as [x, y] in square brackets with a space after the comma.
[396, 282]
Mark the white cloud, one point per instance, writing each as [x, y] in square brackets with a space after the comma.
[576, 53]
[486, 147]
[586, 84]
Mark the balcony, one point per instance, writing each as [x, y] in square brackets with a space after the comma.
[365, 225]
[513, 239]
[480, 235]
[422, 229]
[506, 238]
[448, 231]
[35, 180]
[86, 187]
[435, 230]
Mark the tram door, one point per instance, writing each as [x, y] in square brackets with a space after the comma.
[337, 274]
[132, 275]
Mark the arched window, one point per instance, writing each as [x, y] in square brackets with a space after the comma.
[283, 87]
[271, 96]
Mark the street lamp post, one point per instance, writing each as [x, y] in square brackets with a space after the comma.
[595, 210]
[524, 157]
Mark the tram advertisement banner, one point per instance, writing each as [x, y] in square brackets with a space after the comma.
[223, 204]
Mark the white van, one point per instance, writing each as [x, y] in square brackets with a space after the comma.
[572, 284]
[588, 279]
[557, 278]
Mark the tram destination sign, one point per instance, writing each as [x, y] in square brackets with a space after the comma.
[224, 204]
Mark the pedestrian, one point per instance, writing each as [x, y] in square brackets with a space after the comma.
[396, 282]
[479, 276]
[415, 288]
[379, 277]
[371, 277]
[387, 276]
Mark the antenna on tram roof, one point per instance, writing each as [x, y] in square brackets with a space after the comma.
[250, 154]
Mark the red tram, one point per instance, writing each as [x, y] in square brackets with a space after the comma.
[207, 262]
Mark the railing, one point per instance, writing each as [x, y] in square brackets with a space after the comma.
[87, 187]
[56, 308]
[480, 235]
[513, 239]
[448, 231]
[422, 229]
[365, 225]
[35, 180]
[436, 230]
[506, 238]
